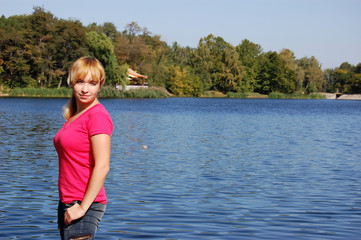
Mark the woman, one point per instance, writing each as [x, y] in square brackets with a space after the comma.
[83, 147]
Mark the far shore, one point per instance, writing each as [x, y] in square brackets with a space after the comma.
[331, 96]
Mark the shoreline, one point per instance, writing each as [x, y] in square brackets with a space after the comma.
[328, 96]
[335, 96]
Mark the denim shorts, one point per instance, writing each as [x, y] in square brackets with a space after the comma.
[83, 228]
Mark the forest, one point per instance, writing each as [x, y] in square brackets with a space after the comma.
[38, 49]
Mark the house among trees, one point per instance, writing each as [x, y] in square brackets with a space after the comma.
[136, 80]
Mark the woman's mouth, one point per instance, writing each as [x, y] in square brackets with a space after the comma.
[83, 96]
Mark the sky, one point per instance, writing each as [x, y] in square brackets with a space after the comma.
[326, 29]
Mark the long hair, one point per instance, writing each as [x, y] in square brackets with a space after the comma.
[79, 70]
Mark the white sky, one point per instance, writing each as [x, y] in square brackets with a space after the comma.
[326, 29]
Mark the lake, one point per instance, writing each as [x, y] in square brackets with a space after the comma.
[213, 169]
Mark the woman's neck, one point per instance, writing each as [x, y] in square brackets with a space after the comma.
[81, 108]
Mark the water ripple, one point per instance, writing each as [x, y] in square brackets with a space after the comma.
[213, 169]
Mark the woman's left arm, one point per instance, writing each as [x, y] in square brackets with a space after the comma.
[101, 151]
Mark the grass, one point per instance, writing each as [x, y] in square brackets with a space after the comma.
[213, 94]
[236, 95]
[150, 92]
[40, 92]
[106, 92]
[276, 95]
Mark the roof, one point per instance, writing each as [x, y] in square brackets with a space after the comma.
[133, 74]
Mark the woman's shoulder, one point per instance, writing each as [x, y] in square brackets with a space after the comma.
[98, 111]
[98, 108]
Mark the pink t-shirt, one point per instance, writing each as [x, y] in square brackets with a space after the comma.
[76, 161]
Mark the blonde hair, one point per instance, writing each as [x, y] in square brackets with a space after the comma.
[80, 70]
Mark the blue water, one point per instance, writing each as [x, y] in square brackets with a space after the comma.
[213, 169]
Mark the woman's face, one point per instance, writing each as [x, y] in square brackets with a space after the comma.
[86, 90]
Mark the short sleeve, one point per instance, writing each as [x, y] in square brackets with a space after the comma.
[100, 123]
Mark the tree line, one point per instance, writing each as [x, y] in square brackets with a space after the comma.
[37, 50]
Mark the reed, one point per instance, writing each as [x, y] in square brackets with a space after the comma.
[40, 92]
[277, 95]
[213, 94]
[151, 92]
[236, 95]
[106, 92]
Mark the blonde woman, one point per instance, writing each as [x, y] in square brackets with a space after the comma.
[83, 147]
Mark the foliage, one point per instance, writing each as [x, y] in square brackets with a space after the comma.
[183, 83]
[217, 64]
[313, 76]
[274, 75]
[249, 56]
[37, 50]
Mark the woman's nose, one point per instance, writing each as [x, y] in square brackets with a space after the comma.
[85, 87]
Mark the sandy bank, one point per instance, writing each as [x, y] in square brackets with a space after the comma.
[349, 97]
[342, 96]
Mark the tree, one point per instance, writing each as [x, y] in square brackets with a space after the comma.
[42, 49]
[70, 45]
[347, 67]
[108, 28]
[14, 51]
[289, 57]
[217, 63]
[159, 76]
[183, 82]
[249, 53]
[140, 51]
[358, 68]
[330, 80]
[312, 73]
[100, 47]
[274, 75]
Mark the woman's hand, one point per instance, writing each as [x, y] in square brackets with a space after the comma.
[73, 213]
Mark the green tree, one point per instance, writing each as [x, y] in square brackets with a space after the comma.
[101, 47]
[289, 57]
[217, 64]
[249, 53]
[358, 68]
[159, 76]
[14, 52]
[274, 75]
[329, 80]
[312, 73]
[342, 77]
[70, 45]
[183, 82]
[41, 47]
[347, 67]
[355, 84]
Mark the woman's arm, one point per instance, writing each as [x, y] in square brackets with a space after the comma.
[101, 152]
